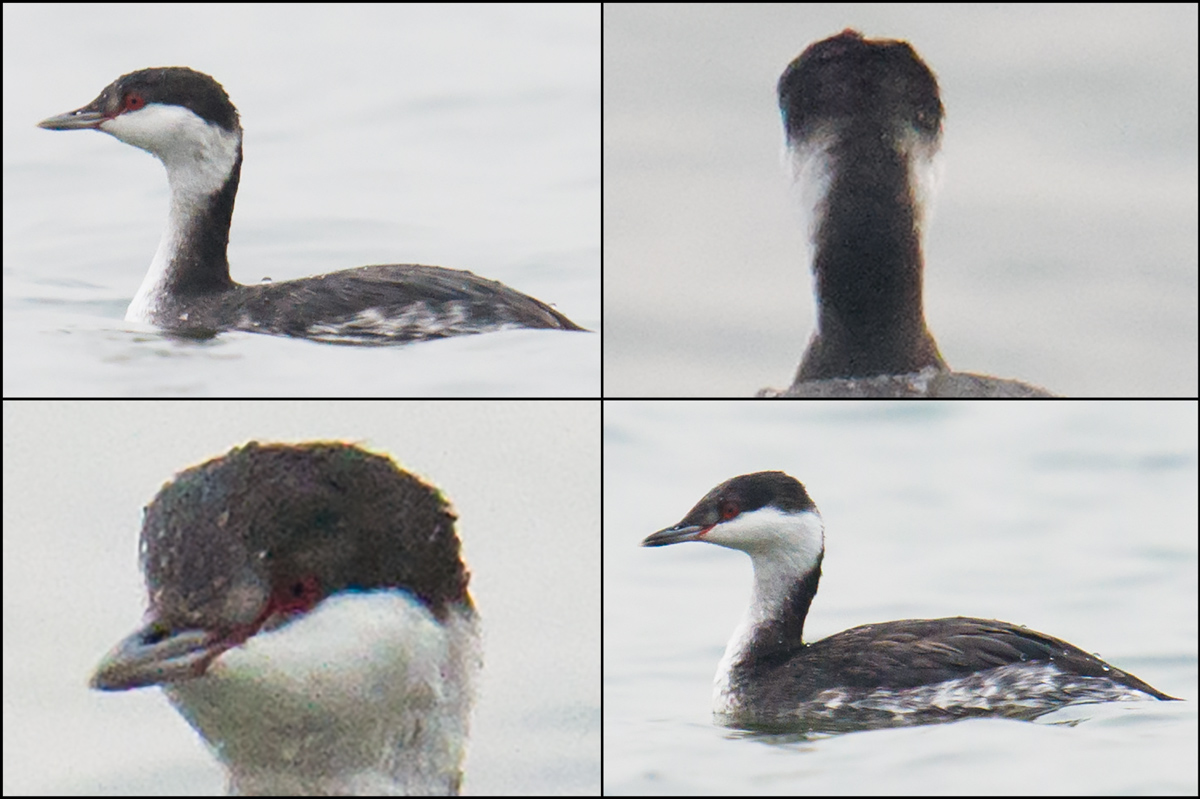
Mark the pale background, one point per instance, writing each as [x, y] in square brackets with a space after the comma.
[1063, 248]
[524, 478]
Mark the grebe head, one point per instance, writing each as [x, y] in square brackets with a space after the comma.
[309, 617]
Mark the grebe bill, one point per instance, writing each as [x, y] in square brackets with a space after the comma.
[185, 119]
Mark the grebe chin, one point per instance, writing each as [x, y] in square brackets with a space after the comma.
[863, 121]
[897, 673]
[185, 119]
[309, 617]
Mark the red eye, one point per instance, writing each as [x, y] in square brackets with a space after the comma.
[133, 101]
[729, 509]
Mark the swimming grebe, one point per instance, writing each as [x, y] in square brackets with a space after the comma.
[863, 121]
[185, 119]
[309, 617]
[916, 671]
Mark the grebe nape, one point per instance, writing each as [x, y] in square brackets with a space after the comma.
[309, 617]
[914, 671]
[863, 125]
[185, 119]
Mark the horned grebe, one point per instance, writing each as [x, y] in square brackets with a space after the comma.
[309, 617]
[863, 121]
[896, 673]
[185, 119]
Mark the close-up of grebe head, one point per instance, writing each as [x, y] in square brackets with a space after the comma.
[863, 124]
[309, 615]
[186, 120]
[890, 674]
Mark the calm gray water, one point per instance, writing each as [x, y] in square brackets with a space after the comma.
[390, 134]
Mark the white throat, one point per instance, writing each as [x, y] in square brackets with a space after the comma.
[199, 158]
[783, 547]
[367, 694]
